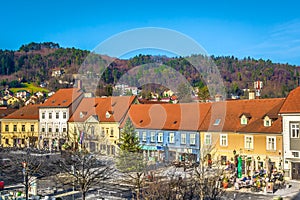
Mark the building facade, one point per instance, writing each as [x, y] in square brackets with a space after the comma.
[290, 113]
[249, 129]
[169, 132]
[54, 115]
[95, 125]
[20, 128]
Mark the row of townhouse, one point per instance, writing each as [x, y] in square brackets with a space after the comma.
[63, 118]
[264, 132]
[248, 128]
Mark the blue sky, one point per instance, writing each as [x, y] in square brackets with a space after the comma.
[268, 30]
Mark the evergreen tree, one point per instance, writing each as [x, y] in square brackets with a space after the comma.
[129, 141]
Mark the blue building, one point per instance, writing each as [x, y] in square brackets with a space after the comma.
[169, 132]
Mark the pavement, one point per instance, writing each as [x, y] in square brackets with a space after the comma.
[290, 192]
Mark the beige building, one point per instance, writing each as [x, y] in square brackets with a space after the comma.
[95, 123]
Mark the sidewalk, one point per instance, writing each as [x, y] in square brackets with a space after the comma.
[292, 192]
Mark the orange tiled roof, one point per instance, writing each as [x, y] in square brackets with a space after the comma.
[292, 102]
[110, 109]
[4, 111]
[26, 112]
[168, 116]
[229, 112]
[257, 126]
[63, 98]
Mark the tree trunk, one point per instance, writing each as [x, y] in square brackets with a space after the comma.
[26, 186]
[83, 195]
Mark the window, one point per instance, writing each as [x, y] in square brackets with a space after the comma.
[111, 132]
[56, 129]
[248, 142]
[6, 128]
[57, 115]
[244, 120]
[152, 137]
[15, 127]
[43, 115]
[50, 130]
[92, 130]
[160, 137]
[223, 140]
[113, 150]
[102, 132]
[294, 130]
[171, 137]
[23, 128]
[271, 143]
[192, 139]
[64, 129]
[32, 128]
[50, 115]
[6, 141]
[295, 154]
[43, 129]
[217, 122]
[267, 121]
[64, 115]
[144, 137]
[183, 138]
[207, 139]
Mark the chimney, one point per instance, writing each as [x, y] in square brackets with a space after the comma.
[79, 84]
[251, 94]
[218, 98]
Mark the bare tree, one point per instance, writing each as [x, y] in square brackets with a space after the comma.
[134, 166]
[25, 167]
[83, 170]
[207, 175]
[173, 186]
[202, 182]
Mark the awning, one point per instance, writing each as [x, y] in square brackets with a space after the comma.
[150, 148]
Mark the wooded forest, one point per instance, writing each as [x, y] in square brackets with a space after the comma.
[35, 62]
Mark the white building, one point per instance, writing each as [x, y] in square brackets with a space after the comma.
[290, 112]
[54, 115]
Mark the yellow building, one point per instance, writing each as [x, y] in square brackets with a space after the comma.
[95, 123]
[250, 129]
[20, 128]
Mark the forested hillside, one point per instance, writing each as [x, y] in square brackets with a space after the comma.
[35, 63]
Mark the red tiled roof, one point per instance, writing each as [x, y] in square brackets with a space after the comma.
[26, 112]
[229, 114]
[292, 102]
[168, 116]
[4, 111]
[257, 126]
[116, 107]
[63, 98]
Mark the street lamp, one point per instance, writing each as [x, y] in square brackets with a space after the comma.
[26, 181]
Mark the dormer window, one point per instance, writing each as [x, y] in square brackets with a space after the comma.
[244, 120]
[245, 117]
[107, 114]
[267, 121]
[82, 114]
